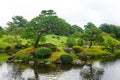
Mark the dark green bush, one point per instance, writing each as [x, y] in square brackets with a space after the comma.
[43, 53]
[22, 57]
[49, 45]
[77, 49]
[8, 48]
[66, 59]
[18, 47]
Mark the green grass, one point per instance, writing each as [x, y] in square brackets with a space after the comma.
[107, 36]
[97, 53]
[3, 57]
[59, 42]
[3, 44]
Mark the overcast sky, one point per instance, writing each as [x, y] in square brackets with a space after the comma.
[73, 11]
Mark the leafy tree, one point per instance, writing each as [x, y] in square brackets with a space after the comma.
[75, 28]
[113, 30]
[63, 28]
[15, 32]
[18, 21]
[16, 27]
[92, 34]
[1, 31]
[89, 25]
[47, 22]
[108, 28]
[111, 44]
[80, 42]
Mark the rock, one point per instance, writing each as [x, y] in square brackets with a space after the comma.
[78, 62]
[68, 50]
[48, 63]
[31, 62]
[20, 60]
[88, 64]
[58, 61]
[10, 59]
[41, 62]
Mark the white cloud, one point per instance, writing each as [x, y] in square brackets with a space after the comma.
[73, 11]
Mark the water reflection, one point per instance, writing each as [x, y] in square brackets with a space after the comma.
[96, 71]
[91, 73]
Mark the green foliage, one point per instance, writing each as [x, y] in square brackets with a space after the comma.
[49, 45]
[111, 43]
[9, 39]
[89, 25]
[66, 59]
[42, 39]
[77, 49]
[70, 42]
[42, 53]
[80, 42]
[76, 29]
[29, 33]
[111, 29]
[18, 46]
[1, 31]
[74, 56]
[117, 54]
[92, 34]
[97, 54]
[8, 48]
[18, 21]
[22, 57]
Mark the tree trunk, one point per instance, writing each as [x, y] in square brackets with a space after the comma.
[35, 70]
[91, 42]
[40, 33]
[37, 40]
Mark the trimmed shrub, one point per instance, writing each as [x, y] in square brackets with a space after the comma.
[8, 48]
[77, 49]
[22, 57]
[49, 45]
[42, 53]
[66, 59]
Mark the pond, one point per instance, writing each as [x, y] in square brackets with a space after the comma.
[105, 70]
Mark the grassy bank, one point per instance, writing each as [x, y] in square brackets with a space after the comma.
[3, 57]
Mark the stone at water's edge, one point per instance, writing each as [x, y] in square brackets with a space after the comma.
[31, 62]
[78, 62]
[10, 59]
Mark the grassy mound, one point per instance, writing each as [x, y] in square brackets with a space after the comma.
[97, 53]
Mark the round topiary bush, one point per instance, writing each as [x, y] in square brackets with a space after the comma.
[66, 59]
[43, 53]
[77, 49]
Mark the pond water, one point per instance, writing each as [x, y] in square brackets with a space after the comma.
[106, 70]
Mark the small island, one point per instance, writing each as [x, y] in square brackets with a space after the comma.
[49, 39]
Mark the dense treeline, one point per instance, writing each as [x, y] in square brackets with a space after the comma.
[47, 22]
[28, 36]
